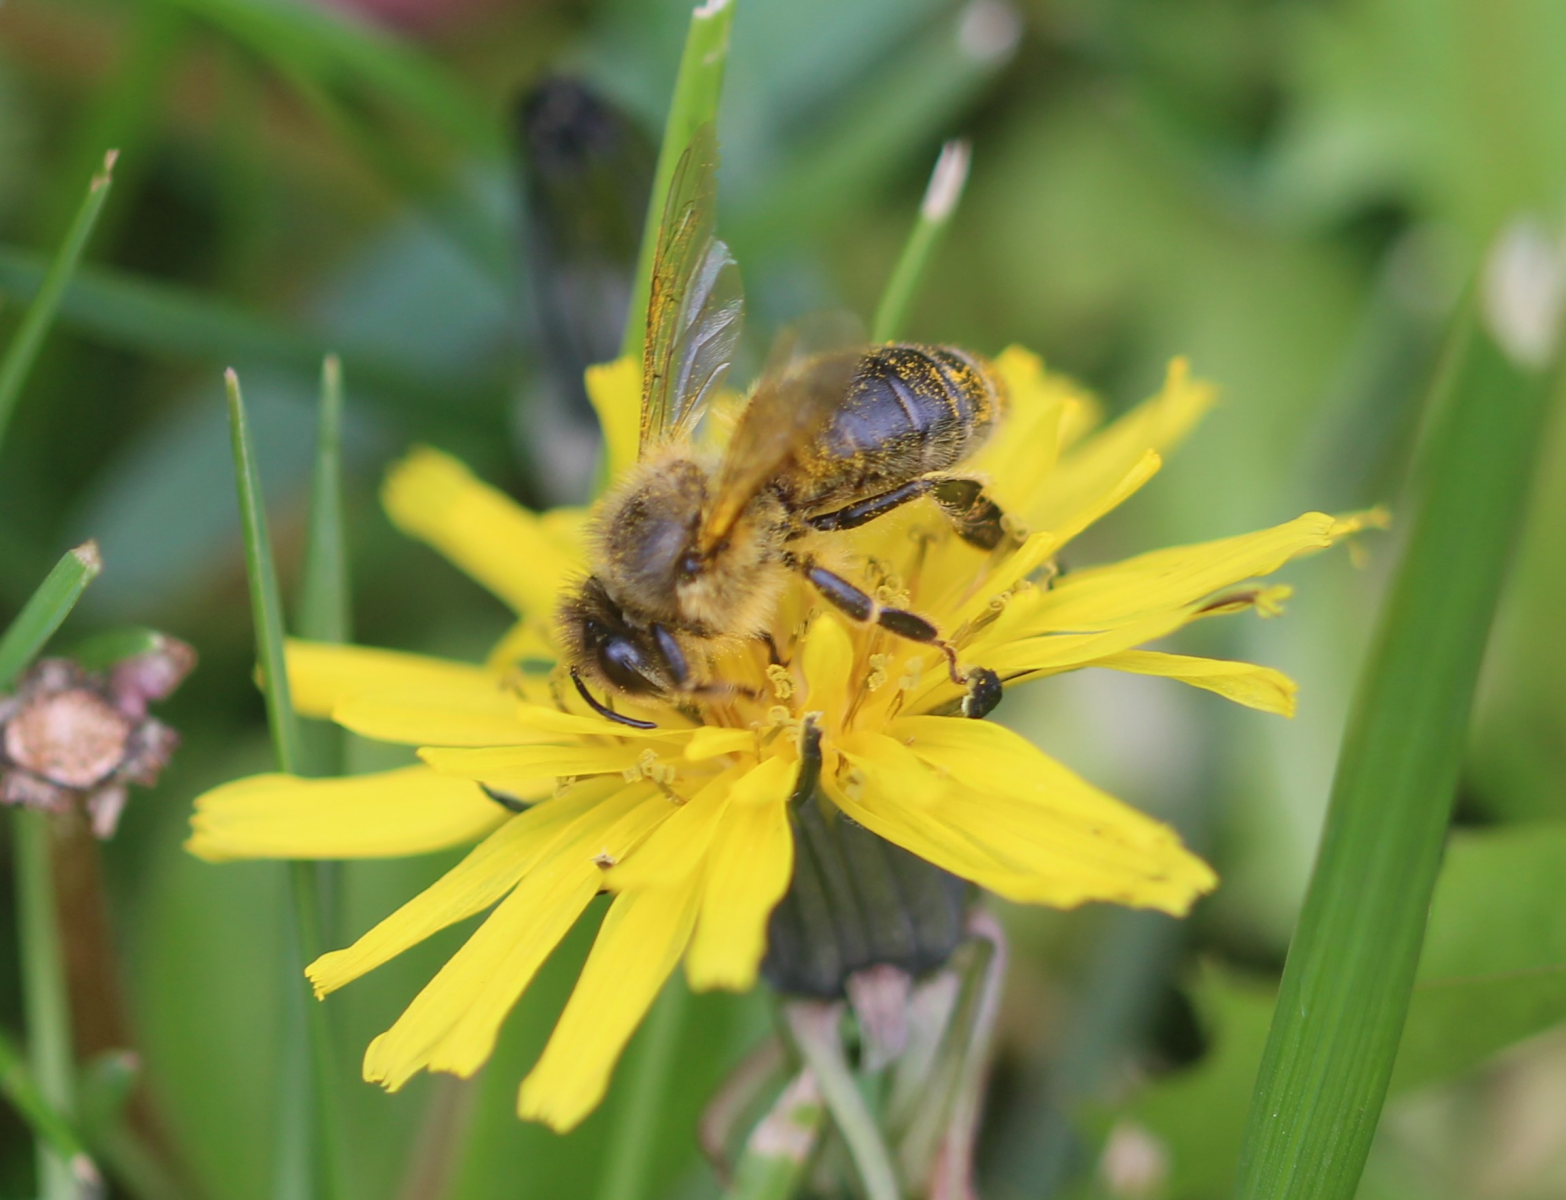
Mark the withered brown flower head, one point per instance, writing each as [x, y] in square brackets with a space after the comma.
[69, 735]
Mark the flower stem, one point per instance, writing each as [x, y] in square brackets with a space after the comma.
[636, 1121]
[696, 91]
[45, 998]
[1350, 970]
[320, 1157]
[935, 214]
[814, 1028]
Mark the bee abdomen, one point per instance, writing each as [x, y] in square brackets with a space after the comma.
[909, 410]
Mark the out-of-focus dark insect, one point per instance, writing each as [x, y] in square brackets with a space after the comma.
[586, 170]
[693, 549]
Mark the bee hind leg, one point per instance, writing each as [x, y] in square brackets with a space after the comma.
[976, 518]
[982, 684]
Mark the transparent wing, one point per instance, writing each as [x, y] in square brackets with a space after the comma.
[695, 303]
[791, 403]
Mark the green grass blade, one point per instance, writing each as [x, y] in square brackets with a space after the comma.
[23, 350]
[334, 49]
[935, 213]
[265, 603]
[324, 609]
[48, 1126]
[158, 318]
[320, 1156]
[1346, 986]
[626, 1176]
[696, 92]
[47, 609]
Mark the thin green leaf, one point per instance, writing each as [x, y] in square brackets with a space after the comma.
[266, 606]
[935, 213]
[1492, 973]
[696, 92]
[23, 350]
[283, 722]
[637, 1117]
[325, 613]
[48, 1126]
[335, 49]
[155, 317]
[103, 650]
[49, 606]
[1350, 971]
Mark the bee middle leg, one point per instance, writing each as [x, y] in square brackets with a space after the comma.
[982, 684]
[977, 519]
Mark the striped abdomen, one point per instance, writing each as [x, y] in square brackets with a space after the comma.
[910, 410]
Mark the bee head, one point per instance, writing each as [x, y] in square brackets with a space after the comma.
[606, 646]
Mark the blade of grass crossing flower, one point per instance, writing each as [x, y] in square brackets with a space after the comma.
[46, 1122]
[23, 350]
[324, 608]
[935, 213]
[46, 610]
[1350, 969]
[320, 1156]
[45, 1000]
[696, 91]
[325, 613]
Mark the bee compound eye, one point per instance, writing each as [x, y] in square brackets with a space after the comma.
[624, 665]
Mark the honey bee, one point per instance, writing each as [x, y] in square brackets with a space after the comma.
[693, 550]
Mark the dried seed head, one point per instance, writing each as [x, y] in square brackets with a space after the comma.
[71, 736]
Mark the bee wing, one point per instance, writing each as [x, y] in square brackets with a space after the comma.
[790, 405]
[695, 304]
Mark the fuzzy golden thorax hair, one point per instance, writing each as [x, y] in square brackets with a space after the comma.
[649, 562]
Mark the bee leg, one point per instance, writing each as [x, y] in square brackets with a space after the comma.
[982, 684]
[978, 520]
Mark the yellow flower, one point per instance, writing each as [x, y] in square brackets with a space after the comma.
[688, 824]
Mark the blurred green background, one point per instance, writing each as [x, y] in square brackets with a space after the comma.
[1290, 193]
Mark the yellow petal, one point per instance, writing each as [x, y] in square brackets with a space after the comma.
[769, 779]
[322, 673]
[1042, 546]
[889, 767]
[433, 497]
[1245, 683]
[1092, 467]
[452, 1023]
[435, 716]
[490, 870]
[1098, 597]
[677, 849]
[1050, 836]
[749, 867]
[408, 811]
[615, 388]
[642, 939]
[526, 762]
[710, 741]
[827, 659]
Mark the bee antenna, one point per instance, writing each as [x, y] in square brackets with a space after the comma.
[603, 710]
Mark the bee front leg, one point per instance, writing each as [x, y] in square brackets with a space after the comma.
[982, 684]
